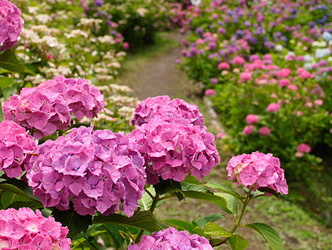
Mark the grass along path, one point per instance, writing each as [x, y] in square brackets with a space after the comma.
[153, 72]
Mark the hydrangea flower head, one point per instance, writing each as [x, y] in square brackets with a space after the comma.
[46, 108]
[15, 147]
[173, 150]
[164, 108]
[172, 239]
[257, 170]
[26, 229]
[97, 169]
[11, 24]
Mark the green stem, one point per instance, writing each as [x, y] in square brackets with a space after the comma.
[237, 224]
[152, 208]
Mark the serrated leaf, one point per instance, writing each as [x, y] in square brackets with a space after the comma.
[142, 220]
[216, 230]
[5, 82]
[9, 61]
[223, 189]
[268, 233]
[202, 221]
[231, 201]
[238, 243]
[193, 187]
[219, 201]
[76, 223]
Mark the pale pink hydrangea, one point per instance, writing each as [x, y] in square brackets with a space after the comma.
[251, 119]
[257, 170]
[11, 24]
[46, 108]
[164, 108]
[98, 170]
[16, 147]
[26, 229]
[172, 239]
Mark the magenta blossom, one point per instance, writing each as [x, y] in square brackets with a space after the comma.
[98, 170]
[210, 92]
[264, 131]
[26, 229]
[303, 148]
[273, 107]
[162, 107]
[16, 147]
[257, 170]
[248, 130]
[251, 119]
[171, 238]
[11, 24]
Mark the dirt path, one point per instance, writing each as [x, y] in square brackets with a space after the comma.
[157, 74]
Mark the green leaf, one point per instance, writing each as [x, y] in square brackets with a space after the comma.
[167, 186]
[216, 230]
[146, 201]
[268, 233]
[76, 223]
[142, 220]
[219, 201]
[223, 189]
[114, 232]
[238, 243]
[270, 191]
[231, 201]
[202, 221]
[180, 224]
[17, 191]
[5, 82]
[193, 187]
[9, 61]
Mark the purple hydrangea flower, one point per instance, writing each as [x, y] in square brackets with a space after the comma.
[11, 24]
[171, 238]
[97, 169]
[15, 148]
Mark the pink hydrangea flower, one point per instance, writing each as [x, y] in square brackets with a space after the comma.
[214, 80]
[164, 108]
[16, 147]
[264, 131]
[26, 229]
[245, 76]
[303, 148]
[238, 60]
[251, 119]
[318, 102]
[284, 73]
[171, 238]
[97, 169]
[223, 65]
[46, 108]
[257, 170]
[273, 107]
[248, 130]
[210, 92]
[11, 24]
[283, 82]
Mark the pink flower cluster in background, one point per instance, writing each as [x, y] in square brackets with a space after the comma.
[257, 170]
[171, 143]
[167, 110]
[46, 108]
[25, 229]
[15, 145]
[171, 238]
[11, 24]
[97, 169]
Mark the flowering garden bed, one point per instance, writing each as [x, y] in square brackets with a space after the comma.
[84, 164]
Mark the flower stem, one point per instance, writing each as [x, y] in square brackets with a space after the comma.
[237, 224]
[152, 208]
